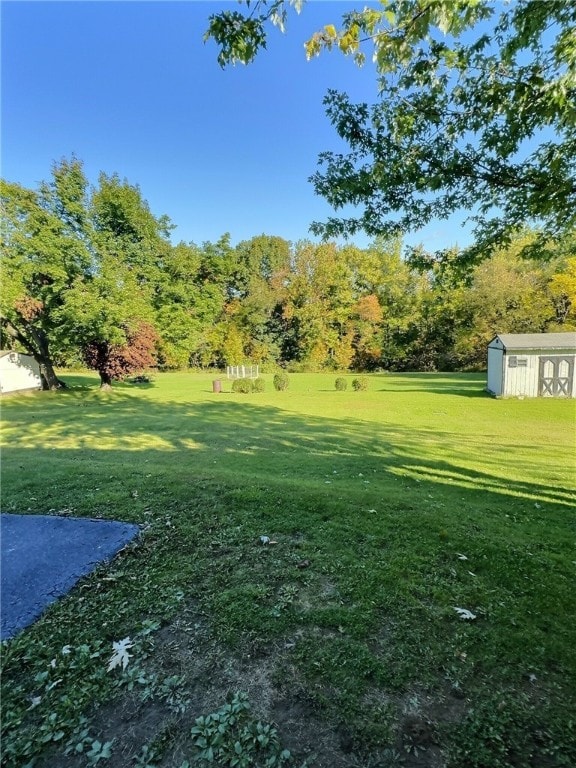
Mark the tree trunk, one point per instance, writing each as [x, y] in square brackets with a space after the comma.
[42, 355]
[105, 380]
[49, 379]
[36, 344]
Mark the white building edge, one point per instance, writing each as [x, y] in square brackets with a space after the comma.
[18, 372]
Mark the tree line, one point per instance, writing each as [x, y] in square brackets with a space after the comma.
[90, 276]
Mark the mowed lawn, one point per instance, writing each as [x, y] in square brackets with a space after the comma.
[386, 509]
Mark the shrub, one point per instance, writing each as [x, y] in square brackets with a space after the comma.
[281, 381]
[341, 384]
[242, 385]
[359, 385]
[258, 385]
[143, 378]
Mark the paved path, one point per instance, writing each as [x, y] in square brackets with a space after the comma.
[44, 556]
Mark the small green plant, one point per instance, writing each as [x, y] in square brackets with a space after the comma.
[286, 595]
[258, 385]
[341, 384]
[360, 384]
[244, 386]
[99, 751]
[230, 737]
[147, 757]
[171, 690]
[281, 381]
[81, 742]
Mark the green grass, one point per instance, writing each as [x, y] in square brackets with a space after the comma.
[379, 493]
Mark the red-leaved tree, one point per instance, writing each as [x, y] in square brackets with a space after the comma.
[114, 362]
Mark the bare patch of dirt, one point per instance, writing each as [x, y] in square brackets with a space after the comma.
[158, 717]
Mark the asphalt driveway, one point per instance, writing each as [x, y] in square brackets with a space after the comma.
[43, 557]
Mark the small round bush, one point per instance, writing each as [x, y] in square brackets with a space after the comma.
[341, 384]
[258, 385]
[242, 385]
[281, 381]
[359, 385]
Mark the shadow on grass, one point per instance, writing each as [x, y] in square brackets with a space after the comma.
[243, 440]
[464, 385]
[81, 383]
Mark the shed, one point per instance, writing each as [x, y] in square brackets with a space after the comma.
[532, 365]
[18, 372]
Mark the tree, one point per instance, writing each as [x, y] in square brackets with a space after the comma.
[439, 312]
[317, 306]
[110, 315]
[504, 294]
[115, 362]
[259, 287]
[259, 260]
[380, 271]
[179, 307]
[125, 226]
[562, 290]
[476, 113]
[45, 250]
[80, 267]
[215, 281]
[368, 316]
[111, 310]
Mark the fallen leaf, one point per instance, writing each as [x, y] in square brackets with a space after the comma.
[464, 613]
[120, 656]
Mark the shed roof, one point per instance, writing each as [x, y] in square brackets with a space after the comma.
[537, 340]
[4, 352]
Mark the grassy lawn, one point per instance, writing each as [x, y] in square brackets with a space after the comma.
[388, 509]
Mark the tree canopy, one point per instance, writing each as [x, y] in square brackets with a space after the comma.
[476, 113]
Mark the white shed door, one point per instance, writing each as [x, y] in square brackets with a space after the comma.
[555, 376]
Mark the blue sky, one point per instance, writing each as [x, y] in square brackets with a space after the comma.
[130, 88]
